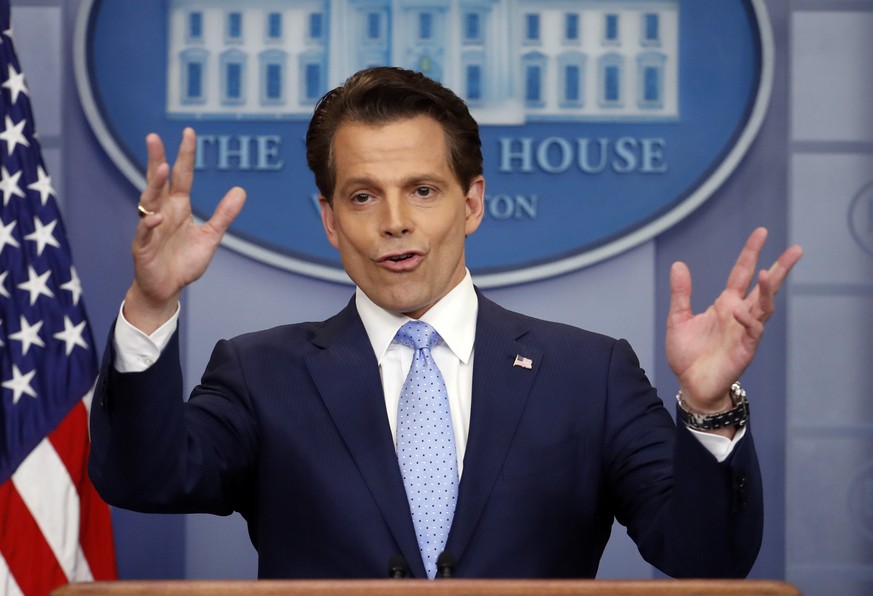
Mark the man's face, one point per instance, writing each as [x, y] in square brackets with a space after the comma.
[399, 215]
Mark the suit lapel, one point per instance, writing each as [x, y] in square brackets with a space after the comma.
[500, 392]
[356, 403]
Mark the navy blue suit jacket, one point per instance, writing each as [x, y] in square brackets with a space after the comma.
[288, 427]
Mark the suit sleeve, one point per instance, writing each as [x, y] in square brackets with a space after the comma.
[153, 452]
[689, 515]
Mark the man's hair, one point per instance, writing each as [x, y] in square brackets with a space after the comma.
[382, 95]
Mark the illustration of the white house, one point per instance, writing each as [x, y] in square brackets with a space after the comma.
[513, 61]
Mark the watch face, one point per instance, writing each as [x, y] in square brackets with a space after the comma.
[738, 394]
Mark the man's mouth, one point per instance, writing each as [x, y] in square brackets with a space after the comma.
[402, 261]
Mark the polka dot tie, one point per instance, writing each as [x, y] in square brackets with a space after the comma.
[426, 445]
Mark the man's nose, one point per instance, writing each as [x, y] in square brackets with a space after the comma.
[396, 219]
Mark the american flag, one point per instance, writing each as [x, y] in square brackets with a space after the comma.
[523, 362]
[54, 528]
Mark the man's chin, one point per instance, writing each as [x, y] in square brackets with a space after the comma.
[403, 304]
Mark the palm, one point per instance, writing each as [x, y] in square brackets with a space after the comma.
[175, 253]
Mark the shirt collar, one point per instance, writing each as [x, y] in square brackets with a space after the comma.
[453, 317]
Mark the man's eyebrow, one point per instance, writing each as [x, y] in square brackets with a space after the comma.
[368, 181]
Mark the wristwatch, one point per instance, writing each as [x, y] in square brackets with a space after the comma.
[737, 416]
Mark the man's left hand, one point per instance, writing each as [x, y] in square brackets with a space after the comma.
[709, 351]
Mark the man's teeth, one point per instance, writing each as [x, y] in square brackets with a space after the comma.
[399, 258]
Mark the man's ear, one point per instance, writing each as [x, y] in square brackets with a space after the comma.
[328, 221]
[475, 205]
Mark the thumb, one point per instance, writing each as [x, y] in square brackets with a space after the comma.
[227, 210]
[680, 292]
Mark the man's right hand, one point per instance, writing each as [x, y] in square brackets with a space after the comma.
[170, 250]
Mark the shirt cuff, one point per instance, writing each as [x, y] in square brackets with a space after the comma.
[720, 447]
[134, 350]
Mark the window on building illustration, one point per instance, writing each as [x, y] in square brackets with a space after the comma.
[233, 81]
[651, 84]
[571, 79]
[610, 28]
[272, 76]
[472, 27]
[610, 91]
[612, 84]
[316, 25]
[571, 27]
[313, 81]
[651, 28]
[572, 82]
[273, 82]
[194, 90]
[425, 25]
[651, 79]
[533, 84]
[473, 77]
[532, 27]
[234, 25]
[274, 25]
[195, 26]
[374, 26]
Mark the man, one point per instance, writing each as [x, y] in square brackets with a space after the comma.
[310, 430]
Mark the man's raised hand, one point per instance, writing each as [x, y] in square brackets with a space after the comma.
[710, 350]
[171, 250]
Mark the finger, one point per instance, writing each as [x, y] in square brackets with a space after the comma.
[753, 327]
[680, 293]
[183, 168]
[227, 210]
[155, 187]
[155, 152]
[156, 173]
[145, 230]
[783, 266]
[743, 270]
[764, 303]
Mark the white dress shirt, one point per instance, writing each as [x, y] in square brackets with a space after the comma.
[453, 317]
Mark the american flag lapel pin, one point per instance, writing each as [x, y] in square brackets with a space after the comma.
[523, 362]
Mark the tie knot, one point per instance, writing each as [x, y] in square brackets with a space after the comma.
[417, 335]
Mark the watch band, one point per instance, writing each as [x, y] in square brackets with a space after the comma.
[737, 416]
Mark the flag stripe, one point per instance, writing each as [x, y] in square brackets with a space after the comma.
[28, 555]
[8, 585]
[46, 488]
[70, 441]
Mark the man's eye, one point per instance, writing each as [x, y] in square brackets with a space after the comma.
[424, 191]
[360, 197]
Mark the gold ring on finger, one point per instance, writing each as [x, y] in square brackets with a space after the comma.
[143, 212]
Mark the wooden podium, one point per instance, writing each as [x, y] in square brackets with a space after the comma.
[441, 587]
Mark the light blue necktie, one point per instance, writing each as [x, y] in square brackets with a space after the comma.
[426, 445]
